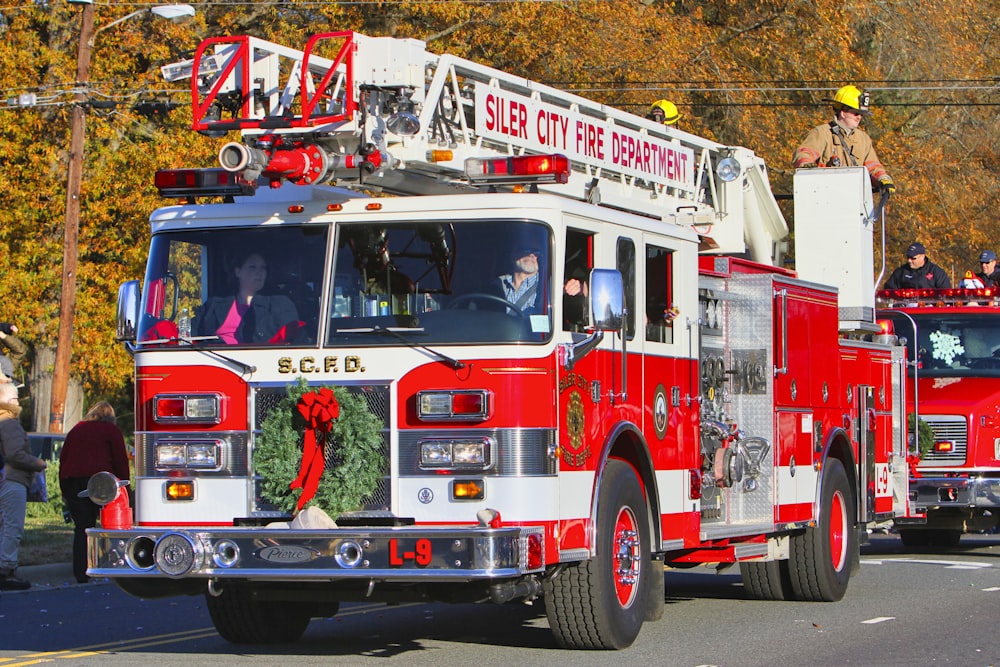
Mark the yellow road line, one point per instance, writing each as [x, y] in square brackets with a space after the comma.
[155, 640]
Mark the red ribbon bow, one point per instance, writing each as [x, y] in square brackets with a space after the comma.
[319, 408]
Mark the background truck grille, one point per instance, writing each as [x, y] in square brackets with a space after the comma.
[377, 398]
[948, 427]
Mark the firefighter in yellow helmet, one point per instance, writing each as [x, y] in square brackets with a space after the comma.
[664, 111]
[842, 142]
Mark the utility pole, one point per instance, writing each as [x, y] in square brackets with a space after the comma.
[67, 300]
[77, 134]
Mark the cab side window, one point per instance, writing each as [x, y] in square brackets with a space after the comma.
[625, 263]
[576, 278]
[660, 309]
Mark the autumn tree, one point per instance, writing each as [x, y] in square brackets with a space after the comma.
[748, 72]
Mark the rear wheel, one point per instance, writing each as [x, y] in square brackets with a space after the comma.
[240, 618]
[915, 538]
[601, 603]
[949, 537]
[821, 558]
[930, 537]
[766, 580]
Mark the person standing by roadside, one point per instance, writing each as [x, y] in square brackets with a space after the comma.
[20, 467]
[12, 346]
[94, 445]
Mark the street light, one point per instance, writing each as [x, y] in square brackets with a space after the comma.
[77, 132]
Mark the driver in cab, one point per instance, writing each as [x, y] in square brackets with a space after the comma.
[247, 316]
[520, 286]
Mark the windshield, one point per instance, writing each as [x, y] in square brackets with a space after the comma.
[234, 286]
[965, 344]
[416, 283]
[441, 282]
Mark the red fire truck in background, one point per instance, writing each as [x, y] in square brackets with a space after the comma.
[659, 391]
[953, 351]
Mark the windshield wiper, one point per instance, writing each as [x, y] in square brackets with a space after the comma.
[395, 332]
[190, 342]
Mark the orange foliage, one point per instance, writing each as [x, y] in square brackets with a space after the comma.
[748, 72]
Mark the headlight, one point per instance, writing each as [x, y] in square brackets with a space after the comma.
[463, 405]
[168, 456]
[469, 453]
[448, 453]
[195, 408]
[202, 454]
[435, 454]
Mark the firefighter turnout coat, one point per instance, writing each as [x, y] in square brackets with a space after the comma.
[833, 145]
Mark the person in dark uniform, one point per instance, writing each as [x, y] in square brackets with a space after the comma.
[989, 276]
[918, 271]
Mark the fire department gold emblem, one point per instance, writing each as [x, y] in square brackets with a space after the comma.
[576, 454]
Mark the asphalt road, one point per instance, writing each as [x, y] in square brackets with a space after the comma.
[903, 608]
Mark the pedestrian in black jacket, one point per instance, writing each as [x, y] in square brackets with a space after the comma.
[918, 271]
[989, 275]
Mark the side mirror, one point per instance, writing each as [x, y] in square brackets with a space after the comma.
[128, 311]
[607, 300]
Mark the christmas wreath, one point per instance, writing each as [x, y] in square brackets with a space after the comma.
[309, 428]
[926, 438]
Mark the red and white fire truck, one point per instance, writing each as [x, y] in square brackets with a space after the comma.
[571, 323]
[953, 352]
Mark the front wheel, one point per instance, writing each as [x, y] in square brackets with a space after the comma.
[240, 618]
[930, 537]
[601, 603]
[822, 557]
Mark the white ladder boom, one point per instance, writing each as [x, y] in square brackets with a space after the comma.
[384, 113]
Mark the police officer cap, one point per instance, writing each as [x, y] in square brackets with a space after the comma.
[916, 249]
[988, 256]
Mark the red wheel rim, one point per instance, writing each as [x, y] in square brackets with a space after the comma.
[627, 557]
[838, 531]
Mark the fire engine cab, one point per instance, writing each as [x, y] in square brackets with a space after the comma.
[953, 353]
[571, 324]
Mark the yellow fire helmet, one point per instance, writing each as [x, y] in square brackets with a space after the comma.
[851, 97]
[667, 108]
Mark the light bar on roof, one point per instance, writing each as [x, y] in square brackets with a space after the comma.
[521, 169]
[927, 296]
[177, 183]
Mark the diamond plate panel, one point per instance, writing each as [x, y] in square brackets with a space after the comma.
[749, 333]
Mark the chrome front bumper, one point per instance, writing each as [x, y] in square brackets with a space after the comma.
[387, 554]
[958, 492]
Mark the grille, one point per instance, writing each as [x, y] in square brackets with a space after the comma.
[948, 427]
[266, 399]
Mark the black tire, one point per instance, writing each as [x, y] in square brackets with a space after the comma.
[922, 538]
[240, 618]
[821, 558]
[766, 580]
[915, 538]
[949, 537]
[656, 593]
[601, 603]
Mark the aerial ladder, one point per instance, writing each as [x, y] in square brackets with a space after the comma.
[384, 114]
